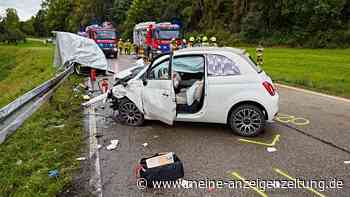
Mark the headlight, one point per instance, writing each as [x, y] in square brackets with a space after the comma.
[159, 51]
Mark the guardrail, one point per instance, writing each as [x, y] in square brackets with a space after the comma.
[7, 124]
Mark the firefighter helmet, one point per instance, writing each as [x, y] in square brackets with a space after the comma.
[213, 39]
[205, 39]
[192, 39]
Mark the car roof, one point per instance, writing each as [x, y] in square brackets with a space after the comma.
[210, 49]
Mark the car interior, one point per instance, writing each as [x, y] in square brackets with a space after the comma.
[188, 77]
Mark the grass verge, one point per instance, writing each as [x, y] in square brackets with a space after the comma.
[323, 70]
[22, 68]
[39, 146]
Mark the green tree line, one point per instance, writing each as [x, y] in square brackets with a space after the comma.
[296, 23]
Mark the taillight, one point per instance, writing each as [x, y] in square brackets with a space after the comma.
[269, 88]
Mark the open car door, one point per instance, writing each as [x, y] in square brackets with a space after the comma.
[158, 95]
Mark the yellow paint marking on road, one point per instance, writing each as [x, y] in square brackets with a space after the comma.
[285, 118]
[273, 143]
[294, 179]
[257, 190]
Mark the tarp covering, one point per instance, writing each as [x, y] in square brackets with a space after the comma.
[73, 48]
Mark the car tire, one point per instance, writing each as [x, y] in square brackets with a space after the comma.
[129, 114]
[247, 120]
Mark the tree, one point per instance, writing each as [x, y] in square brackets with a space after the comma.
[11, 27]
[39, 24]
[11, 19]
[27, 26]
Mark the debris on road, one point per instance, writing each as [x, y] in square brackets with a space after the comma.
[113, 145]
[161, 167]
[81, 158]
[99, 146]
[95, 100]
[271, 149]
[160, 160]
[346, 162]
[156, 136]
[145, 144]
[53, 173]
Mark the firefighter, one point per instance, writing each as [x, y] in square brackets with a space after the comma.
[120, 46]
[205, 42]
[198, 41]
[191, 41]
[127, 47]
[184, 43]
[173, 44]
[260, 55]
[213, 41]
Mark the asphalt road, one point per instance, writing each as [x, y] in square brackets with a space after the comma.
[314, 147]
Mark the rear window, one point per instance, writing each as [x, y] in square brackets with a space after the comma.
[219, 65]
[252, 63]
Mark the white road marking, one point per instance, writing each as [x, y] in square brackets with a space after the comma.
[314, 93]
[96, 179]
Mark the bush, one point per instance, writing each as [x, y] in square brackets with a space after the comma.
[13, 36]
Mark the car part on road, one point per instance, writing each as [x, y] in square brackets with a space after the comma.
[247, 120]
[164, 172]
[113, 145]
[271, 149]
[129, 114]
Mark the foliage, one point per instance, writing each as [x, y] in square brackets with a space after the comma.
[10, 27]
[324, 70]
[22, 68]
[37, 147]
[297, 23]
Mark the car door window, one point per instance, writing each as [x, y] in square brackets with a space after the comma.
[188, 64]
[160, 71]
[219, 65]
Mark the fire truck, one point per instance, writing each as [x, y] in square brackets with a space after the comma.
[105, 37]
[152, 39]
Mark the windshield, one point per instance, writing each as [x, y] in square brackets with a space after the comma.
[168, 34]
[105, 35]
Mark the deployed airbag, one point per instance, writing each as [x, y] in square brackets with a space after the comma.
[73, 48]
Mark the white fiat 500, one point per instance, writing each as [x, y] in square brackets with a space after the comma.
[214, 85]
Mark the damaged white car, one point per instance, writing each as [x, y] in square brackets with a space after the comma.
[214, 85]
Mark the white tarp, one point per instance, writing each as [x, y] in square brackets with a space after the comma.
[73, 48]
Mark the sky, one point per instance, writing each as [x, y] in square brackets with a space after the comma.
[25, 8]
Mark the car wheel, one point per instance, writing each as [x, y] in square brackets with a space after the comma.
[247, 120]
[129, 114]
